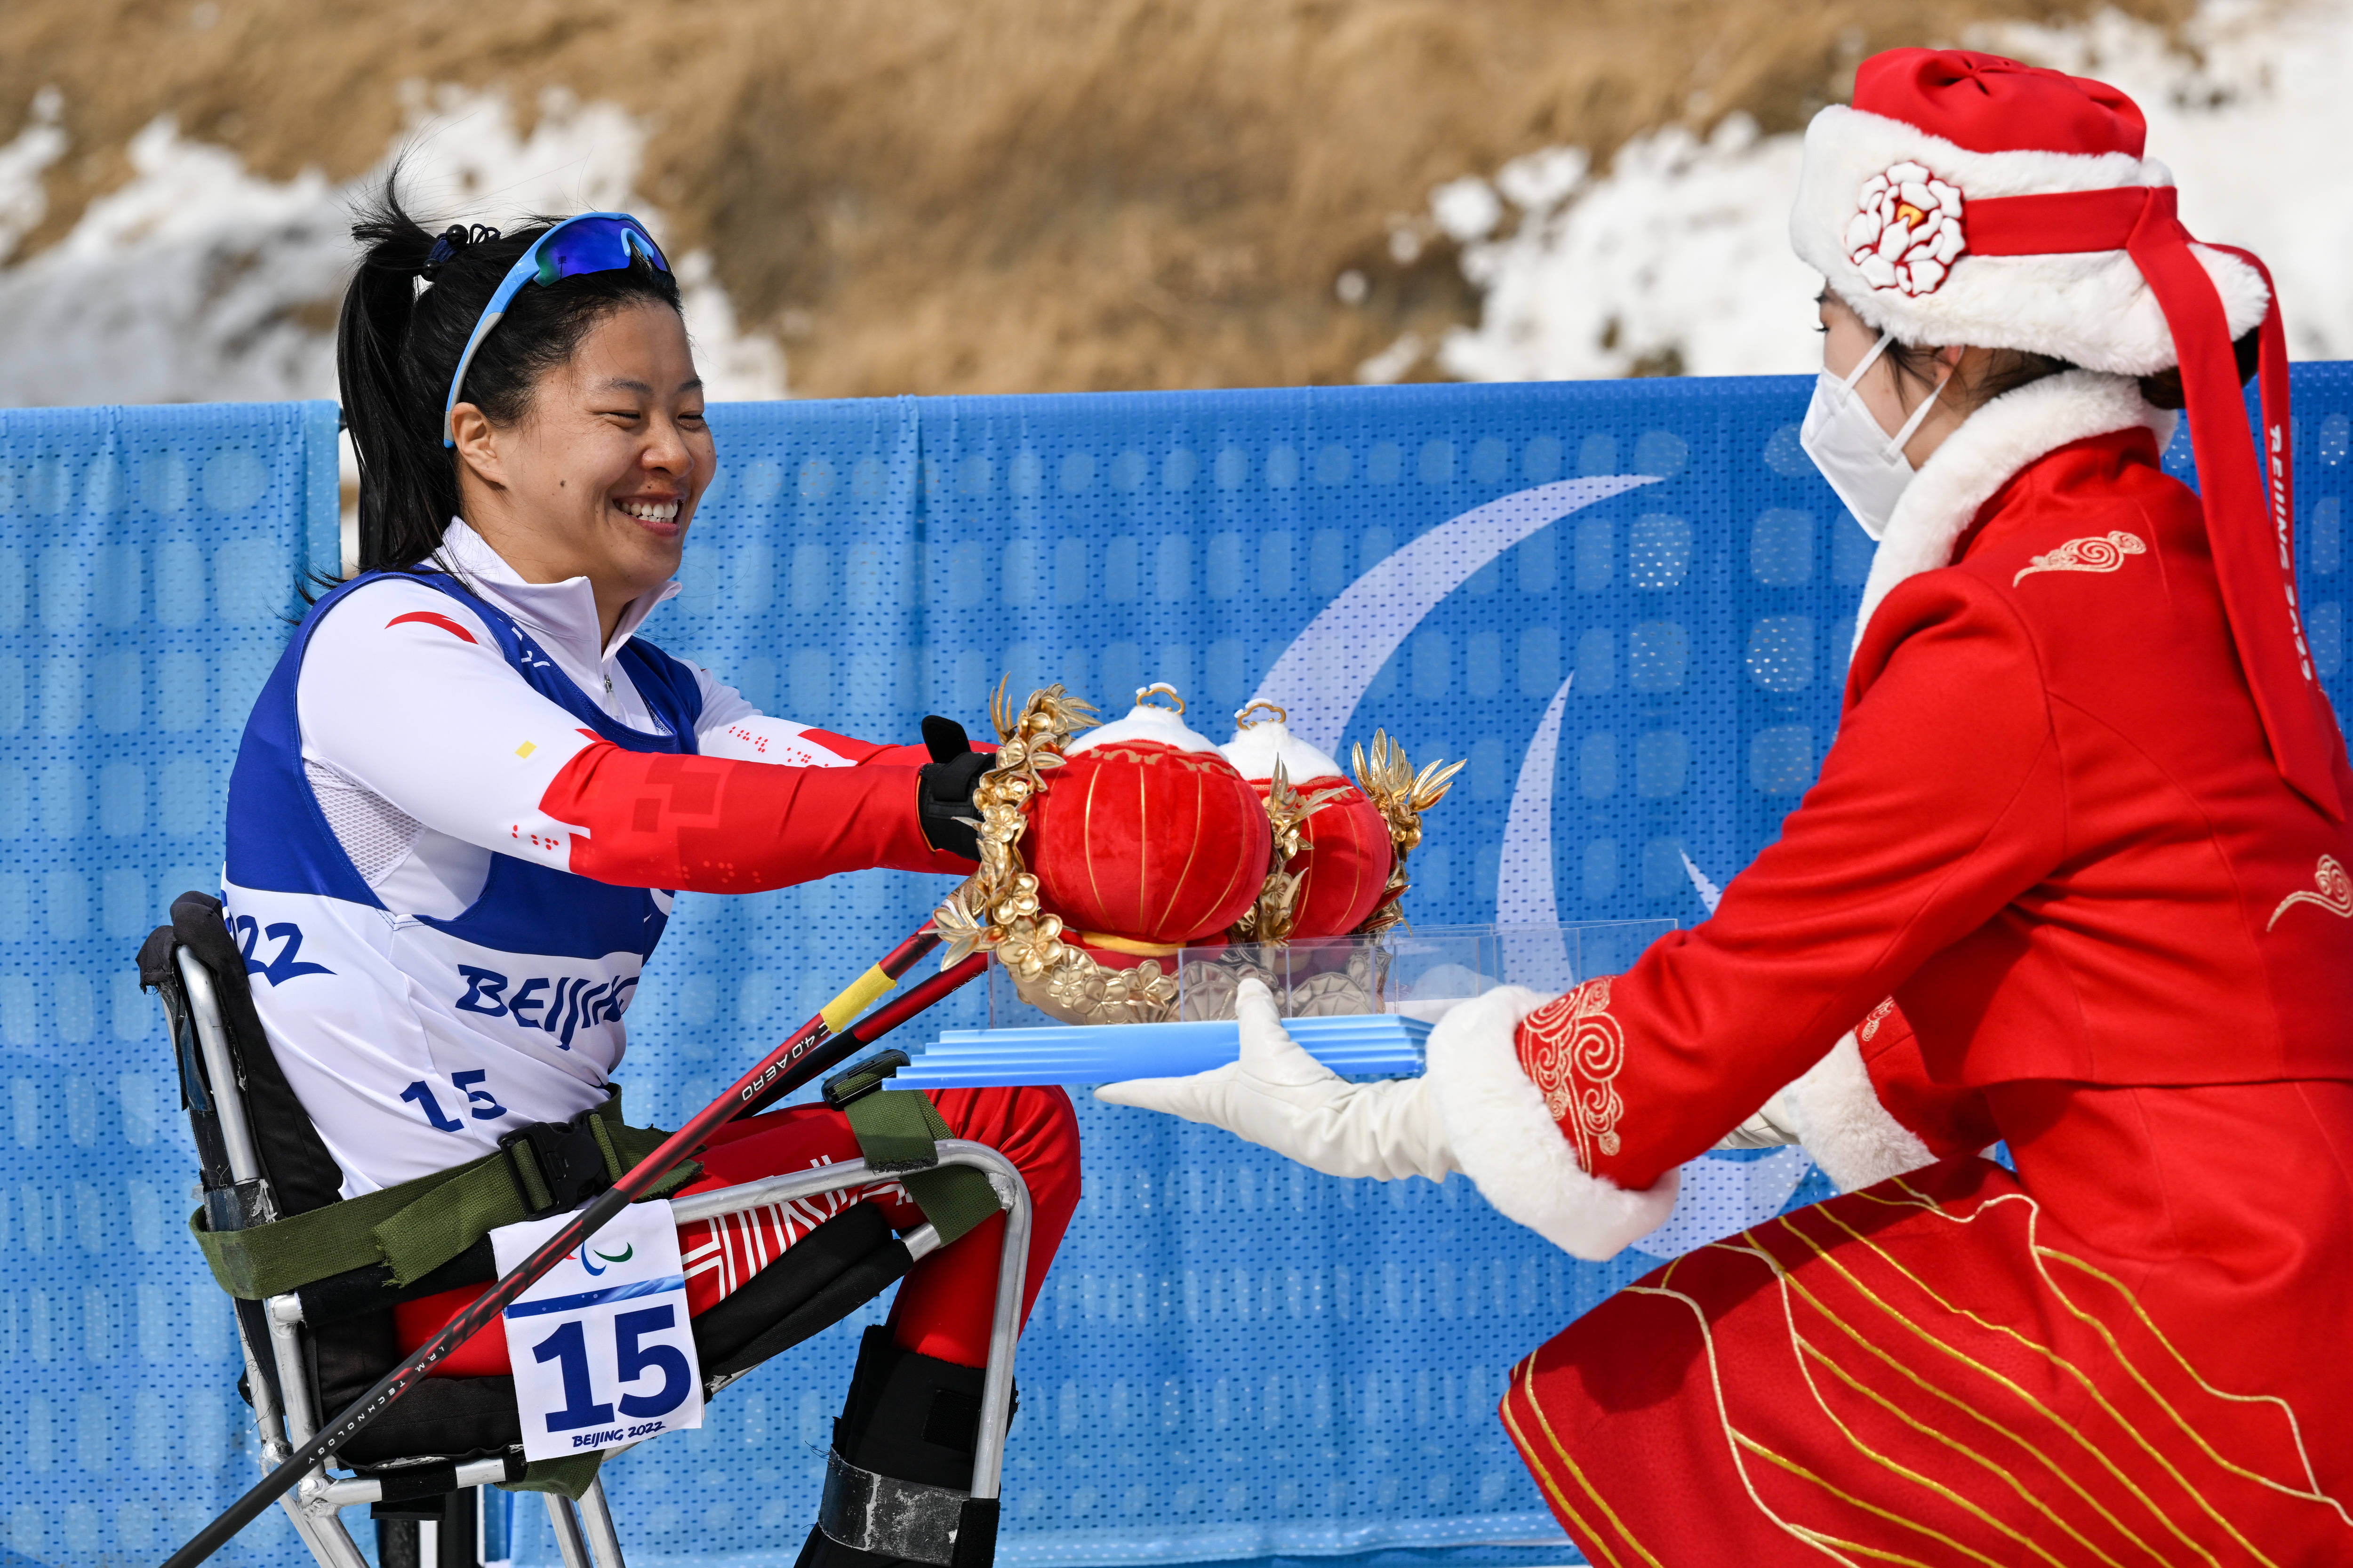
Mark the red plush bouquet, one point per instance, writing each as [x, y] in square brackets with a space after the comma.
[1106, 855]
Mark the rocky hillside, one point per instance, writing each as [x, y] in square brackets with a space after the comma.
[929, 195]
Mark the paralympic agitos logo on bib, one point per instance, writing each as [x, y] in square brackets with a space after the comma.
[558, 1004]
[586, 1252]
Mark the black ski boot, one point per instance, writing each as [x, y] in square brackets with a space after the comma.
[898, 1482]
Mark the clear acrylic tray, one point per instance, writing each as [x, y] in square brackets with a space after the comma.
[1363, 1005]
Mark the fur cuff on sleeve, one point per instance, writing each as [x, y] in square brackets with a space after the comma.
[1839, 1122]
[1504, 1140]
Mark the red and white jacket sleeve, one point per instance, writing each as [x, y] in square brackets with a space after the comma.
[731, 727]
[441, 728]
[1939, 802]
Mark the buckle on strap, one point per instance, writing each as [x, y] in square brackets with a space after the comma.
[871, 1512]
[559, 1165]
[863, 1078]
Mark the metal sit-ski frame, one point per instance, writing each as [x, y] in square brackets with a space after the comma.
[586, 1534]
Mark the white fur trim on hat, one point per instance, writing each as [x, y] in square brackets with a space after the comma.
[2092, 309]
[1979, 456]
[1839, 1122]
[1504, 1139]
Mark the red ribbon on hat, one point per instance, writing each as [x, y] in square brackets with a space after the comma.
[2266, 622]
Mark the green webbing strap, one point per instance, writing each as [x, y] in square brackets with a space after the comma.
[418, 1225]
[569, 1475]
[897, 1131]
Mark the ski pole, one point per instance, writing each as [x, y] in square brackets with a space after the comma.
[816, 1046]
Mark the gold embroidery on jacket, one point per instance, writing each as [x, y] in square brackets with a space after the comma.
[1572, 1050]
[2092, 555]
[2336, 894]
[1876, 1017]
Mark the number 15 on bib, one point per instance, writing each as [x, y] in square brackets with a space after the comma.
[602, 1350]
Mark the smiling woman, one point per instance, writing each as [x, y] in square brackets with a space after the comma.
[468, 795]
[601, 479]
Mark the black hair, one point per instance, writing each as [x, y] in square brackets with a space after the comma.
[2007, 370]
[406, 318]
[2164, 389]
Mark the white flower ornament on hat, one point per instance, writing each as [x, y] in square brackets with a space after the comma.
[1906, 230]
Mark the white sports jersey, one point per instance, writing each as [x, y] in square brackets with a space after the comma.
[430, 968]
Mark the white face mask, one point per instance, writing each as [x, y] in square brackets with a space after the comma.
[1863, 464]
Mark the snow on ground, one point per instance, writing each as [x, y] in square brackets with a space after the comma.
[1678, 257]
[199, 281]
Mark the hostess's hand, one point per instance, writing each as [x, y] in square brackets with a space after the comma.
[1280, 1097]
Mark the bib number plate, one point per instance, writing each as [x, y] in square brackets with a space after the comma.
[602, 1352]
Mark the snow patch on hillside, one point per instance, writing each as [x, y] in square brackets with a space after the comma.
[198, 281]
[1678, 257]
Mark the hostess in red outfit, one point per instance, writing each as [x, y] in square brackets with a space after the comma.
[2068, 881]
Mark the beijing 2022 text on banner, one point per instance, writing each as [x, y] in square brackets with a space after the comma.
[1234, 1358]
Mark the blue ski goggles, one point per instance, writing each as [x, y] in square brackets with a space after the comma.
[592, 242]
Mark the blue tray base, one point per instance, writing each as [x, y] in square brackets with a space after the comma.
[1360, 1044]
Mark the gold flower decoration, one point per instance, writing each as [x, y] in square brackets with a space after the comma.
[1270, 917]
[1400, 795]
[997, 911]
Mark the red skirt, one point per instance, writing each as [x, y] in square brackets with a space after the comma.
[2133, 1352]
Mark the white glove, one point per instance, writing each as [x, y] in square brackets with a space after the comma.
[1281, 1098]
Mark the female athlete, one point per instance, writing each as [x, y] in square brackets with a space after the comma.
[467, 796]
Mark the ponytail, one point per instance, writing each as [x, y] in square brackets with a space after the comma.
[405, 322]
[403, 485]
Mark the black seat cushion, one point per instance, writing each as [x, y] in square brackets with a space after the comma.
[827, 1274]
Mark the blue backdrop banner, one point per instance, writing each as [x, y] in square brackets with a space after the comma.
[1233, 1358]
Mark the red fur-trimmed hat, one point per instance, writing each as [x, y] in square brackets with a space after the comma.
[1887, 211]
[1968, 199]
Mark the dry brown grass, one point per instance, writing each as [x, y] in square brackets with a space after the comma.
[998, 195]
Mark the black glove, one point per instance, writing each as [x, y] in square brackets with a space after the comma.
[944, 789]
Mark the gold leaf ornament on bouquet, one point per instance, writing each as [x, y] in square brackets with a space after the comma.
[1122, 973]
[1287, 810]
[1400, 795]
[996, 909]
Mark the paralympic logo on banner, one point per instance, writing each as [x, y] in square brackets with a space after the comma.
[1322, 678]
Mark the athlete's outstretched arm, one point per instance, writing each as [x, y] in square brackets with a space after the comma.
[731, 727]
[404, 692]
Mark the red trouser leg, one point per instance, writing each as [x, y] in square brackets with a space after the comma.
[945, 1302]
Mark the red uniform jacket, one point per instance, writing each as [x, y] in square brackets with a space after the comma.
[2050, 829]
